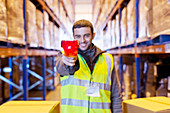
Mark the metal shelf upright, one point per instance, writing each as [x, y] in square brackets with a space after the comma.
[137, 56]
[120, 55]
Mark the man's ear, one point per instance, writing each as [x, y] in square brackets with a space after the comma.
[94, 35]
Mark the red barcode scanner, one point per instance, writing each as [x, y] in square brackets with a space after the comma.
[70, 47]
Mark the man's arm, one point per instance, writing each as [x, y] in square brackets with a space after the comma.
[116, 99]
[64, 69]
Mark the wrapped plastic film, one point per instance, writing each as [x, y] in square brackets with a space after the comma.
[107, 41]
[46, 31]
[39, 23]
[117, 30]
[51, 30]
[32, 37]
[15, 21]
[3, 21]
[131, 21]
[154, 18]
[113, 33]
[161, 17]
[124, 26]
[145, 18]
[56, 36]
[56, 8]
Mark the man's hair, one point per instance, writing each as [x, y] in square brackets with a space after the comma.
[82, 23]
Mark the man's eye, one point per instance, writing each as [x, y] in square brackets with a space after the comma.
[77, 37]
[87, 35]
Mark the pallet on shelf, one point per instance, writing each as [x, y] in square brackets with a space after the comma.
[3, 23]
[15, 21]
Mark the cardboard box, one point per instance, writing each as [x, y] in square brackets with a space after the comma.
[30, 107]
[147, 105]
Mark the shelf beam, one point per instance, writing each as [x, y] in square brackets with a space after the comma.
[153, 49]
[30, 52]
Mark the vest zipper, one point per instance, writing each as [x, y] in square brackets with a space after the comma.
[89, 104]
[89, 97]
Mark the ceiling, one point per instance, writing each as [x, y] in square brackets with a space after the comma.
[83, 9]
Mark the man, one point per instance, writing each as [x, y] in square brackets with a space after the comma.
[88, 81]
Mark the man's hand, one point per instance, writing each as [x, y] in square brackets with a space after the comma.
[70, 61]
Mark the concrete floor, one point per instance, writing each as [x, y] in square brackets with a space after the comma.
[54, 94]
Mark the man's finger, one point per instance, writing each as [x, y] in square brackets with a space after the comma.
[68, 60]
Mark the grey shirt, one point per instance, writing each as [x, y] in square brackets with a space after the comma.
[91, 56]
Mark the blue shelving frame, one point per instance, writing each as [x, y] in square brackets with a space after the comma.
[137, 56]
[24, 89]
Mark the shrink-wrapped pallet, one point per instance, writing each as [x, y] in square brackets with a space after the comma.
[32, 38]
[15, 21]
[151, 80]
[98, 40]
[108, 5]
[124, 26]
[51, 30]
[161, 17]
[117, 29]
[56, 8]
[117, 68]
[69, 7]
[107, 37]
[46, 31]
[113, 33]
[3, 21]
[96, 9]
[131, 21]
[154, 18]
[56, 36]
[39, 23]
[145, 18]
[127, 75]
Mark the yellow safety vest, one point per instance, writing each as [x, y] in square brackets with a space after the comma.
[73, 87]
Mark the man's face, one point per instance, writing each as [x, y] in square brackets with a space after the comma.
[84, 36]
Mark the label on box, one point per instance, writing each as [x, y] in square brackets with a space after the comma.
[167, 48]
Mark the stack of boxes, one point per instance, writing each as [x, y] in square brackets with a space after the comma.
[3, 22]
[124, 28]
[15, 21]
[39, 23]
[32, 38]
[40, 30]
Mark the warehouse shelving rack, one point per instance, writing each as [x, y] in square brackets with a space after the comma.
[159, 44]
[26, 52]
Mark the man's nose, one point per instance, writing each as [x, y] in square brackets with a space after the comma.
[82, 39]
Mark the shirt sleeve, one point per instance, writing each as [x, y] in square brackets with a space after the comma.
[63, 69]
[116, 98]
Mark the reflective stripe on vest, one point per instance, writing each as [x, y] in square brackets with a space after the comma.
[73, 90]
[83, 103]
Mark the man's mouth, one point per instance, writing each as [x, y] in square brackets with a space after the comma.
[83, 45]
